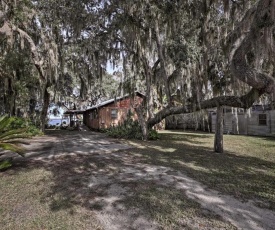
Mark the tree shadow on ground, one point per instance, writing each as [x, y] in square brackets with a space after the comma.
[245, 177]
[113, 182]
[118, 188]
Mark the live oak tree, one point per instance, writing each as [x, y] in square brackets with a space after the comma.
[221, 48]
[256, 28]
[184, 55]
[23, 33]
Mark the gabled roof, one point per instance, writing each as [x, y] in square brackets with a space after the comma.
[113, 100]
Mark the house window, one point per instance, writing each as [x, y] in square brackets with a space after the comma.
[114, 113]
[262, 119]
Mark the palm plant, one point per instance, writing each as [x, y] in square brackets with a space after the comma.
[10, 138]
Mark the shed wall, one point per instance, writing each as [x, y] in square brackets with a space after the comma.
[248, 124]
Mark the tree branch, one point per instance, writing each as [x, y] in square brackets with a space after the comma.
[245, 101]
[263, 20]
[35, 56]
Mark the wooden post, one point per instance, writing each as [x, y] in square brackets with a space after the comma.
[235, 121]
[246, 121]
[218, 143]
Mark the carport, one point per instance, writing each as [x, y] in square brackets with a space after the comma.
[75, 117]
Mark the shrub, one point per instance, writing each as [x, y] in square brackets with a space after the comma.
[153, 135]
[12, 130]
[130, 129]
[21, 123]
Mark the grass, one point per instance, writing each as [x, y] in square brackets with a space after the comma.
[24, 204]
[245, 170]
[55, 194]
[172, 210]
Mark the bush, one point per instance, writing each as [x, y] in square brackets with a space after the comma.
[21, 123]
[12, 130]
[130, 129]
[153, 135]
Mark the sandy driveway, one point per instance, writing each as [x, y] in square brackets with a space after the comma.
[118, 167]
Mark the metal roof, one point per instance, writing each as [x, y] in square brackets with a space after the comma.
[74, 111]
[111, 101]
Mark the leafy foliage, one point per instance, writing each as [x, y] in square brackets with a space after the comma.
[153, 135]
[5, 164]
[17, 123]
[130, 129]
[12, 130]
[161, 48]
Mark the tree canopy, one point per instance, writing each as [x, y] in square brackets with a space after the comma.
[183, 55]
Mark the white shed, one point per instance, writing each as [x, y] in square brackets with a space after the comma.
[258, 120]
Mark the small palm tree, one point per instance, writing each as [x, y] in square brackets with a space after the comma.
[10, 139]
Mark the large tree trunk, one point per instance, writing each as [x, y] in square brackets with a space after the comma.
[142, 122]
[162, 64]
[32, 103]
[10, 107]
[149, 89]
[44, 112]
[218, 143]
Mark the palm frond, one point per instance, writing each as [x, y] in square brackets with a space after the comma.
[13, 148]
[4, 122]
[12, 134]
[5, 164]
[19, 141]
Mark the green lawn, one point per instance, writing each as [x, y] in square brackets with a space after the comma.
[27, 202]
[245, 170]
[56, 195]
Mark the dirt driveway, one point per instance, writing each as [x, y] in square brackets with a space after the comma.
[58, 143]
[99, 174]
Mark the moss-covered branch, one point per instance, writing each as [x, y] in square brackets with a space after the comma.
[245, 101]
